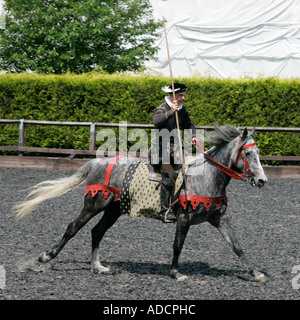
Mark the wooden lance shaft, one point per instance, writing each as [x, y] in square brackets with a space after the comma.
[174, 98]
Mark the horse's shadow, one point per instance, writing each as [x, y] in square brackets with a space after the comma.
[163, 269]
[189, 269]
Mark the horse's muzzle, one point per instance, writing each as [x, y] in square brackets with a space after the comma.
[258, 182]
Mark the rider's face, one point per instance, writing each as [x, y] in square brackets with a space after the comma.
[179, 97]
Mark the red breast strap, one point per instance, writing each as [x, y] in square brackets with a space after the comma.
[207, 201]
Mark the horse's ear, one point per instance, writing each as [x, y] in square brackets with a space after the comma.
[245, 134]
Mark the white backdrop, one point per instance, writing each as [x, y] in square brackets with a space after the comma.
[229, 38]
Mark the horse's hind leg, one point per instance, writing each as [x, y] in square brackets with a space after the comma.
[222, 223]
[110, 216]
[92, 206]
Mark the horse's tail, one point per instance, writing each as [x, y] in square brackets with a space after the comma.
[51, 189]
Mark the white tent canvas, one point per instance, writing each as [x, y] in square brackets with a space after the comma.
[229, 38]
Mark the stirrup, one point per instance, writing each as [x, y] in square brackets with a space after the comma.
[168, 216]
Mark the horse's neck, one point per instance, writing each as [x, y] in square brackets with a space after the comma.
[204, 178]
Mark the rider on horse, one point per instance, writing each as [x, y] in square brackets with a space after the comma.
[164, 118]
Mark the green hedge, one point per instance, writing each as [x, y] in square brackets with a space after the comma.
[113, 98]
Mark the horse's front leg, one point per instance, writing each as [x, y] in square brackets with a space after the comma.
[182, 228]
[223, 225]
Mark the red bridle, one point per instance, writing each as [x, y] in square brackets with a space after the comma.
[240, 152]
[232, 173]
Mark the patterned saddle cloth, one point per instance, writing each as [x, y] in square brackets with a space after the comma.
[140, 197]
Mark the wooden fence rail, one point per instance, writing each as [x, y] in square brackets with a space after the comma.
[92, 146]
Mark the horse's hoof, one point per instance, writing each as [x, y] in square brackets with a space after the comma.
[261, 278]
[44, 257]
[100, 269]
[181, 277]
[178, 276]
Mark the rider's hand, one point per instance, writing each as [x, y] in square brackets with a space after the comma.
[174, 107]
[196, 142]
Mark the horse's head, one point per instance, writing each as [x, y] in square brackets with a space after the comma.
[247, 161]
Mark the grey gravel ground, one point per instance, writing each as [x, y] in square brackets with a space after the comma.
[139, 251]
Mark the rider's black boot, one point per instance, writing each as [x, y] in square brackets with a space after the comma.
[167, 213]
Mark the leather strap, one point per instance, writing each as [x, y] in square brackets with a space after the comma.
[240, 151]
[95, 188]
[105, 188]
[207, 201]
[232, 173]
[110, 167]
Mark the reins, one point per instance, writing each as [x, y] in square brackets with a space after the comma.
[232, 173]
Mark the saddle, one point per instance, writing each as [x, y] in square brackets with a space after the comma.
[140, 195]
[154, 173]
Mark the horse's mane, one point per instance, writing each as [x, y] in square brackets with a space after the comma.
[222, 135]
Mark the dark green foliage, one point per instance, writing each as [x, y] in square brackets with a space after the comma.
[57, 36]
[247, 102]
[112, 98]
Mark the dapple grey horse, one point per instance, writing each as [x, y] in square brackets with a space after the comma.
[202, 196]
